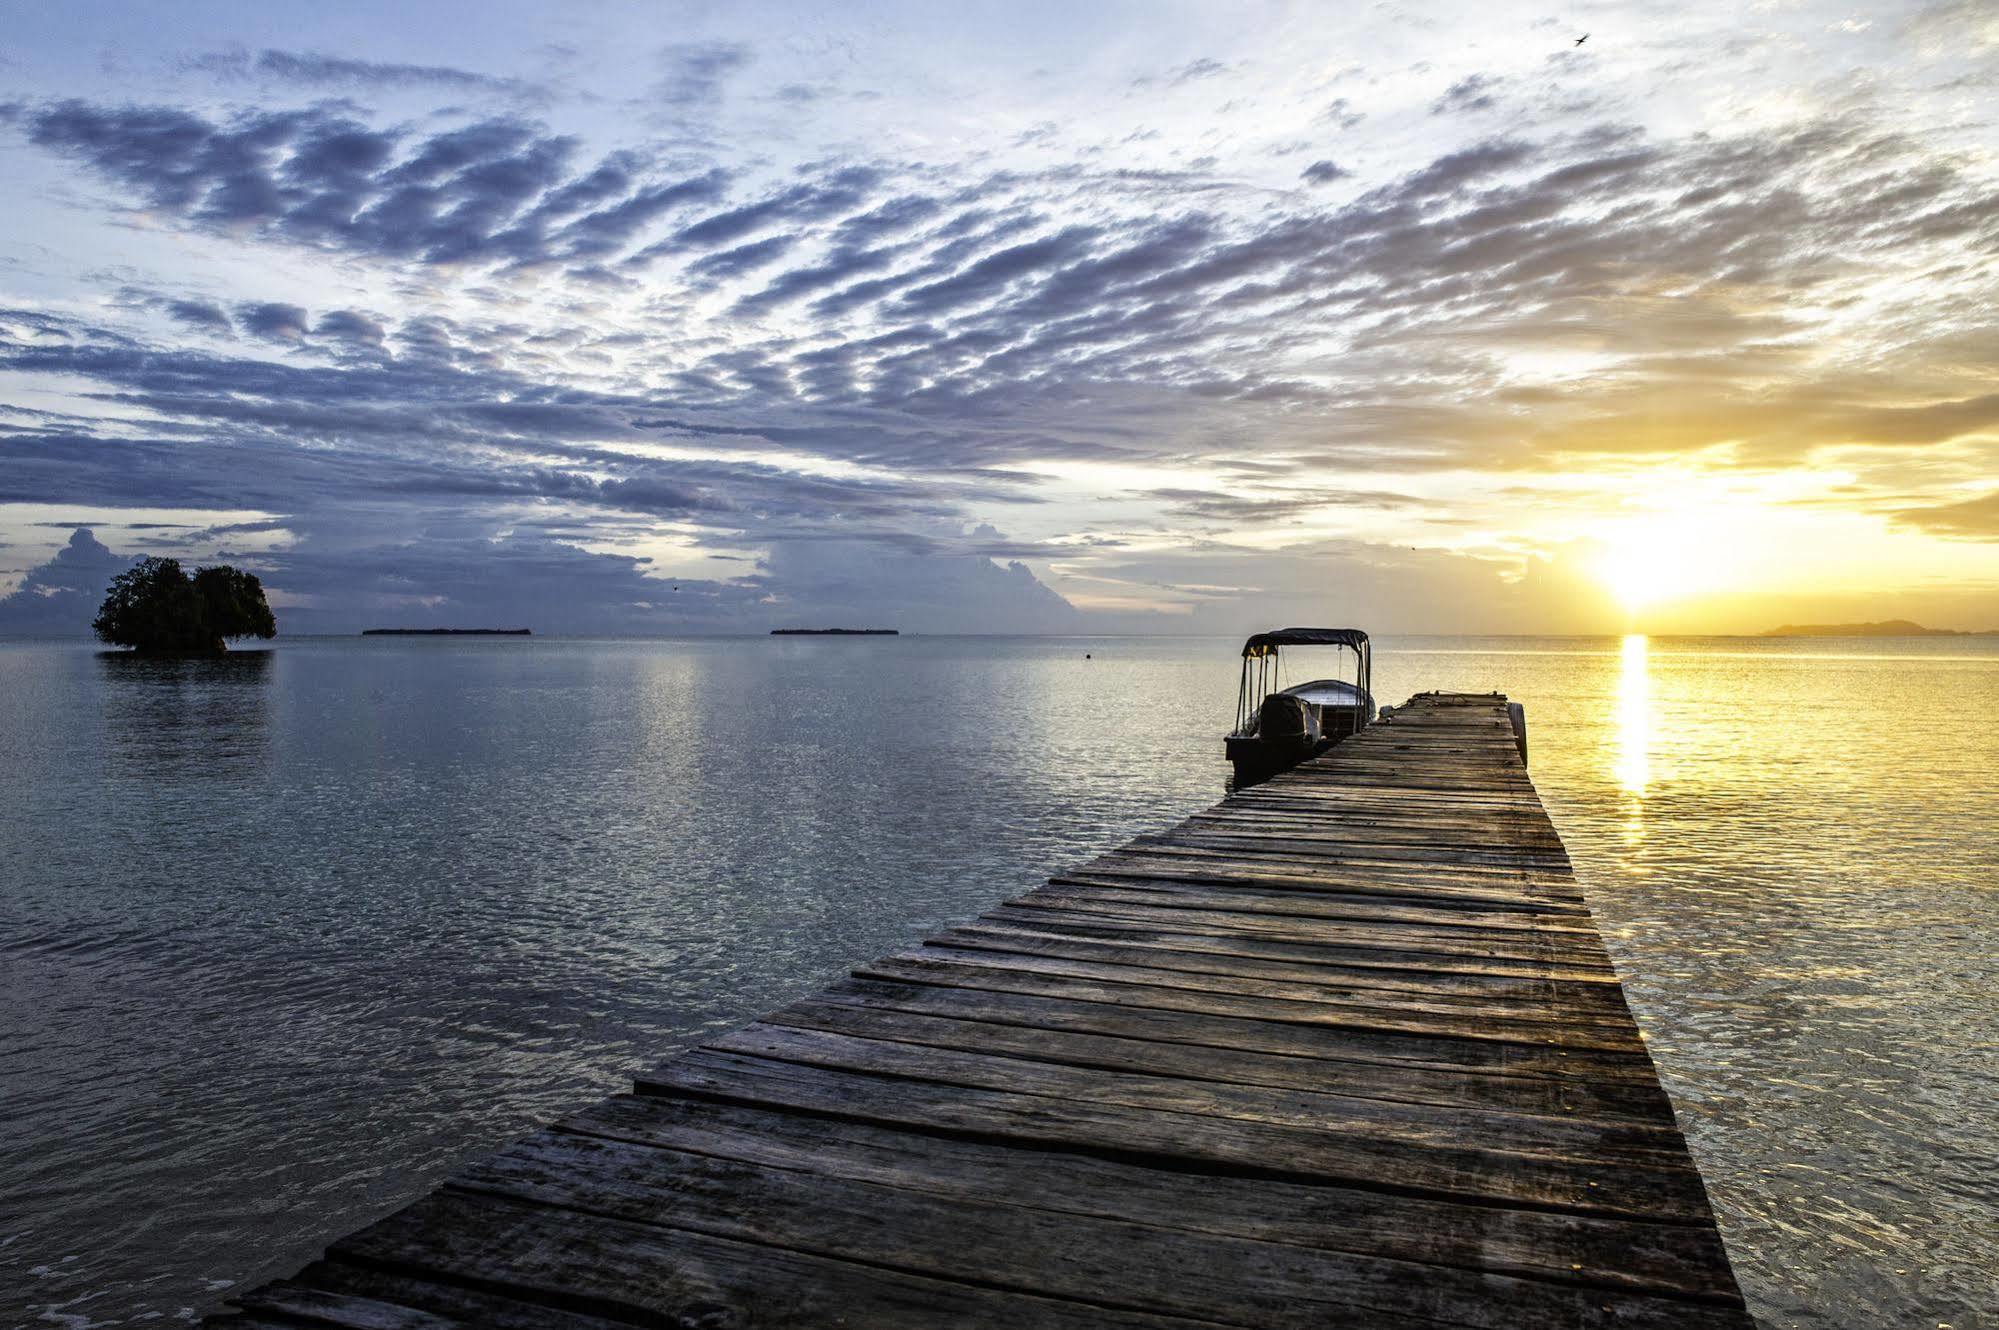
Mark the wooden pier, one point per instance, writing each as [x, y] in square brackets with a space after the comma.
[1343, 1050]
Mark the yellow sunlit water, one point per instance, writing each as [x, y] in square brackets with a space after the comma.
[1634, 718]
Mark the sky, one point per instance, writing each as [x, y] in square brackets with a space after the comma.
[1023, 317]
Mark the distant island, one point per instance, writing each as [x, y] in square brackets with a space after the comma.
[1886, 628]
[447, 632]
[835, 632]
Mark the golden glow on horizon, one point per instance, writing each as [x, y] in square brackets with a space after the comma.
[1682, 549]
[1692, 545]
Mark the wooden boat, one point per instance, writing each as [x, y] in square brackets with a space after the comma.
[1277, 726]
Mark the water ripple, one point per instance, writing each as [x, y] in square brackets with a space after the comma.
[283, 941]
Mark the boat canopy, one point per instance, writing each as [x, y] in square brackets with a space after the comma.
[1264, 644]
[1260, 667]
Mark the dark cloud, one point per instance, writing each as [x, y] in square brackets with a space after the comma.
[536, 576]
[1473, 92]
[1340, 114]
[607, 230]
[1453, 171]
[1204, 68]
[839, 267]
[1323, 173]
[420, 563]
[1236, 589]
[1284, 506]
[172, 158]
[841, 191]
[499, 190]
[693, 74]
[529, 579]
[1928, 423]
[273, 321]
[315, 69]
[735, 262]
[346, 325]
[1973, 519]
[60, 597]
[204, 314]
[813, 583]
[253, 436]
[992, 274]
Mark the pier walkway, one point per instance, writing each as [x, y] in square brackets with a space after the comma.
[1343, 1050]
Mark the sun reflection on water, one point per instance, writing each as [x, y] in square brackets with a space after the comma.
[1634, 726]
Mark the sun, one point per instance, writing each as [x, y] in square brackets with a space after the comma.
[1642, 573]
[1659, 558]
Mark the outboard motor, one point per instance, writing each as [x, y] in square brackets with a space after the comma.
[1285, 721]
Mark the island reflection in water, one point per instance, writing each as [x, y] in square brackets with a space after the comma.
[201, 717]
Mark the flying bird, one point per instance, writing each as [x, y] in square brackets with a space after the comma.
[1580, 40]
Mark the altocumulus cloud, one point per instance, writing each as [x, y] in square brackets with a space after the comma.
[832, 373]
[318, 177]
[964, 292]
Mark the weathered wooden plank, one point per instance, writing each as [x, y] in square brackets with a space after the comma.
[1197, 936]
[1449, 831]
[1662, 1258]
[1337, 802]
[1058, 1008]
[1433, 832]
[1482, 992]
[1376, 852]
[1317, 863]
[1551, 947]
[1139, 969]
[629, 1271]
[1385, 1017]
[1198, 863]
[1028, 1069]
[1441, 849]
[290, 1305]
[1566, 1099]
[328, 1293]
[1318, 785]
[1509, 889]
[1034, 1250]
[1253, 898]
[1190, 1141]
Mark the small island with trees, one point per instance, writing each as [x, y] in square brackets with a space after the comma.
[158, 610]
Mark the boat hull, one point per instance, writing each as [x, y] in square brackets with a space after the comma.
[1256, 760]
[1295, 724]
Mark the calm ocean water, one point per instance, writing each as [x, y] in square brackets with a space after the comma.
[284, 938]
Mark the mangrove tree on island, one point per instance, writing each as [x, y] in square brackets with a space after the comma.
[160, 610]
